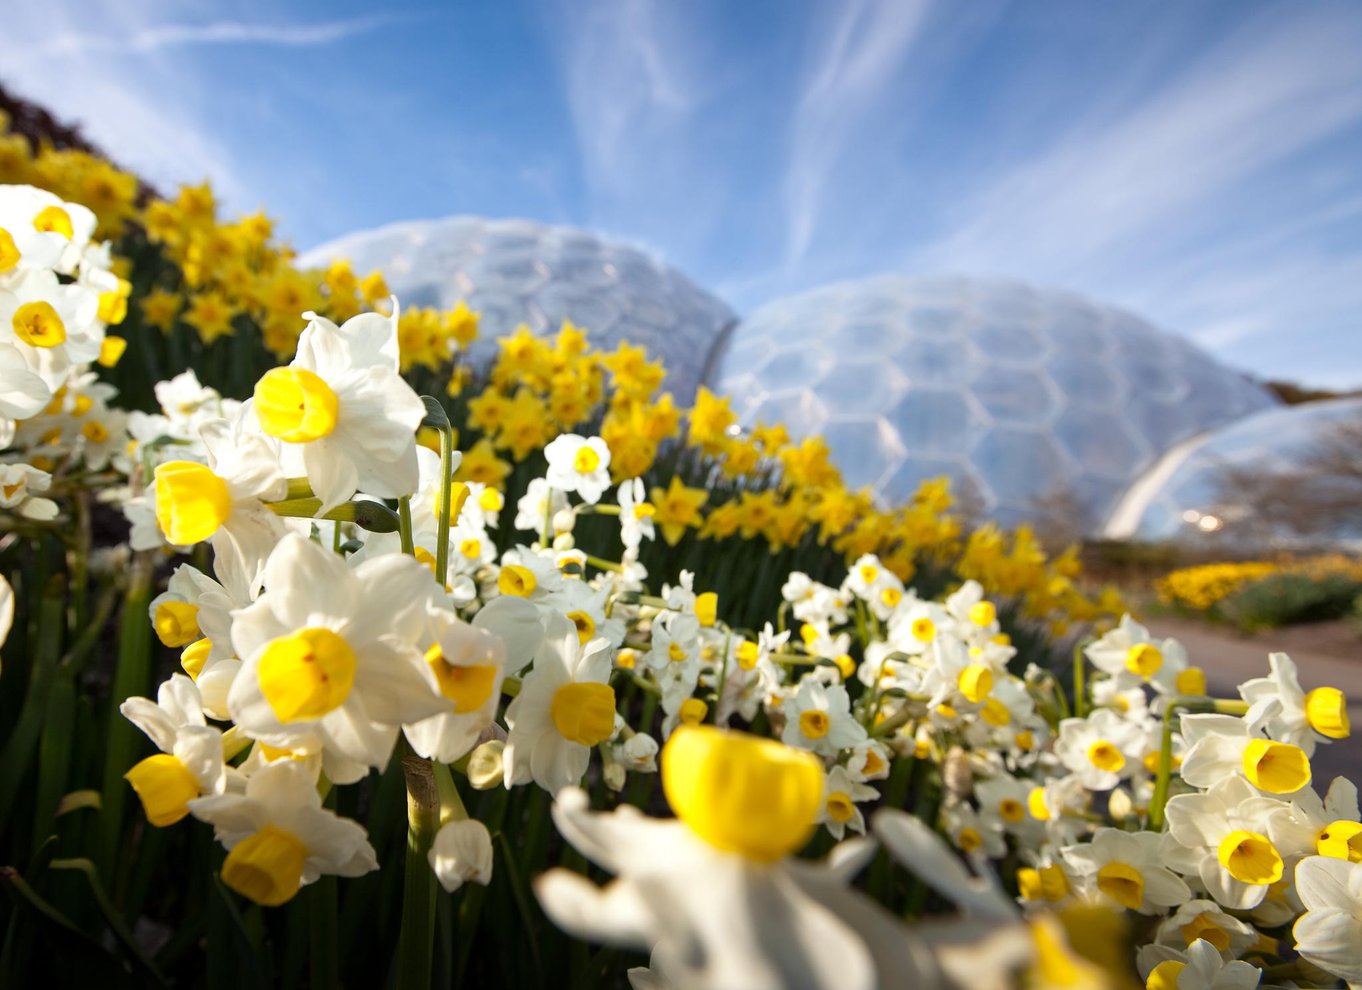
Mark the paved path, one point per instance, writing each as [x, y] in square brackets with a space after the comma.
[1230, 660]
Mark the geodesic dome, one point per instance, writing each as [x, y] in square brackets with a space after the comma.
[1183, 495]
[1017, 393]
[519, 271]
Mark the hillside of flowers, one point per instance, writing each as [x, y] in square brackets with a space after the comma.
[330, 658]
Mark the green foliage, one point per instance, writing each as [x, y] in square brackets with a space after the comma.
[1289, 598]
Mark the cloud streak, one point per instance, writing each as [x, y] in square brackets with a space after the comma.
[866, 45]
[154, 38]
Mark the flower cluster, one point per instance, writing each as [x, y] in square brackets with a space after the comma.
[1203, 587]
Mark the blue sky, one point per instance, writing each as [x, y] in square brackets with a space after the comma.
[1199, 162]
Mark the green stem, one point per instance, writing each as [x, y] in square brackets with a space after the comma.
[1080, 688]
[404, 525]
[548, 517]
[724, 661]
[416, 939]
[443, 499]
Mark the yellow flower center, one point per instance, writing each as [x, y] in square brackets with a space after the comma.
[176, 623]
[1122, 883]
[458, 495]
[1025, 740]
[1340, 840]
[1104, 756]
[295, 405]
[468, 686]
[676, 653]
[491, 500]
[191, 502]
[1250, 858]
[924, 629]
[692, 712]
[1191, 681]
[891, 596]
[306, 674]
[1326, 709]
[165, 787]
[740, 793]
[586, 460]
[1144, 659]
[841, 809]
[707, 608]
[267, 867]
[869, 572]
[813, 723]
[194, 657]
[975, 682]
[54, 220]
[9, 251]
[1035, 803]
[1203, 926]
[747, 654]
[983, 613]
[38, 325]
[845, 665]
[1165, 975]
[516, 580]
[874, 763]
[1011, 810]
[626, 659]
[471, 548]
[586, 626]
[1278, 768]
[584, 713]
[969, 839]
[95, 431]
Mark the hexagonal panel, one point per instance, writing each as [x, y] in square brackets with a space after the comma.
[1102, 442]
[868, 446]
[1015, 395]
[933, 421]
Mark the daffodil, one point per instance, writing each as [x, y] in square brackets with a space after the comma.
[564, 708]
[1200, 967]
[578, 464]
[345, 417]
[1293, 715]
[1100, 750]
[279, 837]
[461, 852]
[190, 761]
[1329, 933]
[1127, 869]
[330, 656]
[1205, 920]
[1223, 835]
[1219, 745]
[819, 718]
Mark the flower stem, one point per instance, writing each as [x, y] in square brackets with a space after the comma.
[404, 525]
[1080, 688]
[416, 939]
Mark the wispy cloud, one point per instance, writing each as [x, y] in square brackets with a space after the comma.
[163, 36]
[866, 44]
[1259, 99]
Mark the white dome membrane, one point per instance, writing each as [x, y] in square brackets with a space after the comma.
[1017, 393]
[519, 271]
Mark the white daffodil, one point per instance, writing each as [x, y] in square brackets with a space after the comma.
[1003, 803]
[1218, 745]
[223, 502]
[1201, 967]
[869, 760]
[21, 486]
[565, 707]
[53, 325]
[819, 718]
[345, 416]
[578, 464]
[970, 833]
[959, 675]
[23, 392]
[461, 851]
[1132, 656]
[39, 230]
[1126, 867]
[917, 626]
[636, 514]
[1293, 715]
[1329, 934]
[329, 656]
[190, 762]
[279, 837]
[540, 503]
[1223, 837]
[713, 894]
[1202, 919]
[841, 794]
[1101, 750]
[1308, 826]
[464, 665]
[482, 507]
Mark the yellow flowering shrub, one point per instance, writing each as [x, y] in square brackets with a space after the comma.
[1202, 588]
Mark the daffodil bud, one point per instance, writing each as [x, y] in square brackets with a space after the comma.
[614, 776]
[462, 851]
[485, 768]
